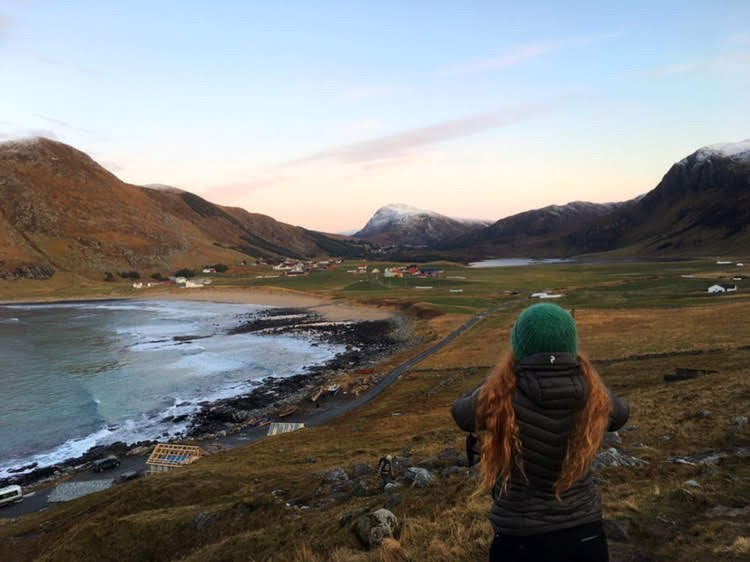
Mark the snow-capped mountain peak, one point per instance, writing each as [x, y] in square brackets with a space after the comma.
[735, 150]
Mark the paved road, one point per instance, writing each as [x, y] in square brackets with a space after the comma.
[38, 501]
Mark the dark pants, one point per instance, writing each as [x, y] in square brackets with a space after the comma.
[585, 543]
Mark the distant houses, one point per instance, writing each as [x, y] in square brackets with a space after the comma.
[544, 295]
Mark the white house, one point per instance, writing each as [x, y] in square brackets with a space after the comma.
[375, 270]
[740, 264]
[138, 285]
[193, 284]
[723, 262]
[543, 295]
[180, 280]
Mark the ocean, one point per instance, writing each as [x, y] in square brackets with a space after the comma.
[76, 375]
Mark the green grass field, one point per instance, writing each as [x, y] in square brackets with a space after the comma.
[638, 321]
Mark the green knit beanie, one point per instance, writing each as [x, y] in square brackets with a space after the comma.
[544, 328]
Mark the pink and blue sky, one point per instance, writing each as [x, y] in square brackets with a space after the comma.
[319, 112]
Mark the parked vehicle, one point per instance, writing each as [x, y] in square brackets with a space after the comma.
[128, 475]
[10, 494]
[107, 463]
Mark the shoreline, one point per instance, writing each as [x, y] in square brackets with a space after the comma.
[368, 337]
[332, 309]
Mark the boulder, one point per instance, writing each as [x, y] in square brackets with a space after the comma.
[419, 477]
[392, 501]
[391, 487]
[361, 469]
[451, 470]
[365, 487]
[335, 475]
[205, 518]
[373, 528]
[612, 457]
[400, 464]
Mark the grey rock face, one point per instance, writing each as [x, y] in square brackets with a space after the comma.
[372, 529]
[419, 477]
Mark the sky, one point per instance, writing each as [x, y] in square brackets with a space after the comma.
[319, 112]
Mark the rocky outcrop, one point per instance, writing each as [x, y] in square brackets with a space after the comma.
[373, 528]
[37, 271]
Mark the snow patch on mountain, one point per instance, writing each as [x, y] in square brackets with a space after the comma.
[739, 151]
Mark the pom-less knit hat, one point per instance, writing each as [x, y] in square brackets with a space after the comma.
[544, 328]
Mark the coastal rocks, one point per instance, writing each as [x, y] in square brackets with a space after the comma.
[139, 451]
[419, 477]
[373, 528]
[614, 458]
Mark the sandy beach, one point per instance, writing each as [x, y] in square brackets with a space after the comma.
[332, 310]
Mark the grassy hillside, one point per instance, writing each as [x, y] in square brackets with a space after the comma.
[267, 500]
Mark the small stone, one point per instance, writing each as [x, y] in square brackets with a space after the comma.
[692, 483]
[205, 518]
[629, 428]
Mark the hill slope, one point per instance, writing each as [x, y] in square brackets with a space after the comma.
[59, 208]
[399, 224]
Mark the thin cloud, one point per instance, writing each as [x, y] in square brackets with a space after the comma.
[399, 144]
[739, 60]
[66, 124]
[78, 68]
[526, 52]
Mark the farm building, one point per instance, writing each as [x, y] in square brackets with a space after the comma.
[280, 427]
[168, 456]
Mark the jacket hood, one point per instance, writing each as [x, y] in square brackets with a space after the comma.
[552, 380]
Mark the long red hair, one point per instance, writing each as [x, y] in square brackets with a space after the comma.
[501, 443]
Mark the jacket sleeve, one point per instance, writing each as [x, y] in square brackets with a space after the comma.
[464, 410]
[620, 412]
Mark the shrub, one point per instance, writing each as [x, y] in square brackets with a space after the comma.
[129, 275]
[157, 276]
[108, 276]
[221, 268]
[185, 272]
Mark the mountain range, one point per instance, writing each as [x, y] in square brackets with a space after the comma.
[700, 207]
[60, 210]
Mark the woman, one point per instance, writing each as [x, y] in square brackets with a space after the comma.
[542, 413]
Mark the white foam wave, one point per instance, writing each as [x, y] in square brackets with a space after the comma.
[10, 321]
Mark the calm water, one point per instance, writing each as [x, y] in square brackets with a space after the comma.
[78, 375]
[516, 262]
